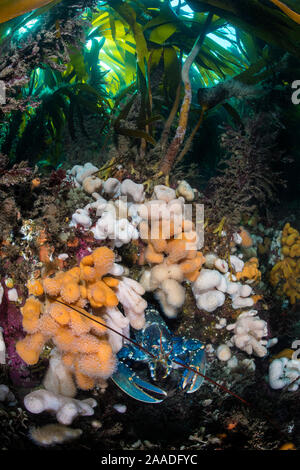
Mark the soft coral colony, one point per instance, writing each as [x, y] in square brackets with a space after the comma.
[286, 271]
[87, 349]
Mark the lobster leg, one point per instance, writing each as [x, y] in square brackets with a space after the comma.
[191, 382]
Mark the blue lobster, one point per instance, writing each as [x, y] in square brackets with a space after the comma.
[156, 345]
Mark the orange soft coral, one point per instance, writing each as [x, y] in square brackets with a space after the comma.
[48, 326]
[82, 342]
[35, 287]
[103, 260]
[247, 241]
[31, 313]
[159, 237]
[175, 256]
[175, 244]
[99, 364]
[250, 271]
[290, 241]
[70, 291]
[151, 256]
[176, 249]
[60, 313]
[191, 267]
[84, 381]
[96, 294]
[159, 245]
[30, 347]
[52, 286]
[88, 273]
[111, 281]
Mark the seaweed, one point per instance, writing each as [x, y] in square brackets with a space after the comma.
[248, 180]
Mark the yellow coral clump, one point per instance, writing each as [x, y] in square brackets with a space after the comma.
[287, 270]
[83, 343]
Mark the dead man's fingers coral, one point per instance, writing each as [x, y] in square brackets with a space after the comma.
[65, 408]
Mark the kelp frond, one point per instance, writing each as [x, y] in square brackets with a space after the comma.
[290, 13]
[10, 9]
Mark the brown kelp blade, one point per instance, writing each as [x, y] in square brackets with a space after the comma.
[288, 11]
[12, 8]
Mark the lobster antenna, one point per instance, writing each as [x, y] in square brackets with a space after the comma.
[214, 383]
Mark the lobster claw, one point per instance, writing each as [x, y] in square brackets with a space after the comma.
[131, 384]
[191, 382]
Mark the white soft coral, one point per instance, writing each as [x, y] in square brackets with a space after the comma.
[66, 409]
[109, 225]
[116, 320]
[165, 279]
[284, 372]
[249, 331]
[129, 293]
[58, 378]
[210, 288]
